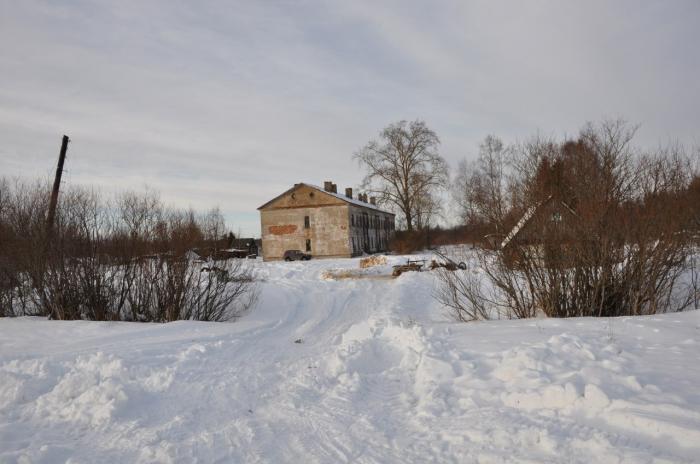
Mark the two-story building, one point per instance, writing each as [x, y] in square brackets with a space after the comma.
[323, 223]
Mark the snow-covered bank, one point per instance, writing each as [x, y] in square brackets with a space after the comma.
[380, 375]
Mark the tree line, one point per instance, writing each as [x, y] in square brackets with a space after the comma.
[128, 258]
[621, 244]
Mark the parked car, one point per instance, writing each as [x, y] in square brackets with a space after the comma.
[293, 255]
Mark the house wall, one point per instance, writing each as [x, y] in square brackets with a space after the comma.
[370, 230]
[331, 229]
[283, 228]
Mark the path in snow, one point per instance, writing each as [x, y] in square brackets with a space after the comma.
[381, 375]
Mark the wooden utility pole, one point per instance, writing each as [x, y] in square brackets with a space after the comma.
[56, 186]
[48, 237]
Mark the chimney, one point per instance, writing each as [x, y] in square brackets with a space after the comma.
[334, 188]
[328, 186]
[363, 198]
[373, 200]
[348, 192]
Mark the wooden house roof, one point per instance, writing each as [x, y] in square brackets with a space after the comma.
[528, 216]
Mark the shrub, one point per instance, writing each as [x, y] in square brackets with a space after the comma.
[604, 233]
[130, 259]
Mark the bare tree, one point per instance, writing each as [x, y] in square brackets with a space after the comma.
[7, 266]
[125, 260]
[479, 188]
[404, 170]
[427, 209]
[606, 233]
[461, 191]
[213, 226]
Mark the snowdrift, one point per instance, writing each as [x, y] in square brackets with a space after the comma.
[378, 374]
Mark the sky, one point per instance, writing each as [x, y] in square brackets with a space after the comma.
[228, 104]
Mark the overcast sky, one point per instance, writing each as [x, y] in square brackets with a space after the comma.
[230, 103]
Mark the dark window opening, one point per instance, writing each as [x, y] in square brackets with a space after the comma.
[307, 222]
[308, 244]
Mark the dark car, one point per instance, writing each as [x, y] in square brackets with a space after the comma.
[293, 255]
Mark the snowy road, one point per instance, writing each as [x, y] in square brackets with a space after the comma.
[381, 375]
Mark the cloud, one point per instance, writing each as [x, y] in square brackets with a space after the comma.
[229, 103]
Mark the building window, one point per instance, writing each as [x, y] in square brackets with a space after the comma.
[307, 222]
[352, 220]
[308, 244]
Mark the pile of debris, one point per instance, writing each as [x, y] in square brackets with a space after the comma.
[449, 265]
[419, 264]
[411, 265]
[376, 260]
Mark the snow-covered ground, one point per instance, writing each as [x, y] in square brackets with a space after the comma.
[381, 374]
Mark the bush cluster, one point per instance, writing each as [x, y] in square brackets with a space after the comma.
[128, 259]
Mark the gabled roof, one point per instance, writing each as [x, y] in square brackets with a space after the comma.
[352, 201]
[527, 217]
[521, 223]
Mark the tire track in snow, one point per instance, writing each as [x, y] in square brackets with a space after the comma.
[368, 384]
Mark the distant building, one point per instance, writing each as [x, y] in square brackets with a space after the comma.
[549, 220]
[547, 233]
[245, 246]
[323, 223]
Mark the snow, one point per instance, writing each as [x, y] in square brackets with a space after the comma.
[381, 375]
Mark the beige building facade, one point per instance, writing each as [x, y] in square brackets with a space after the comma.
[323, 223]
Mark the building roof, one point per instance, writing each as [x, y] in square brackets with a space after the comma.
[529, 214]
[352, 201]
[521, 223]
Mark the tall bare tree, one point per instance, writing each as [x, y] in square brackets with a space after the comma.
[404, 170]
[479, 188]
